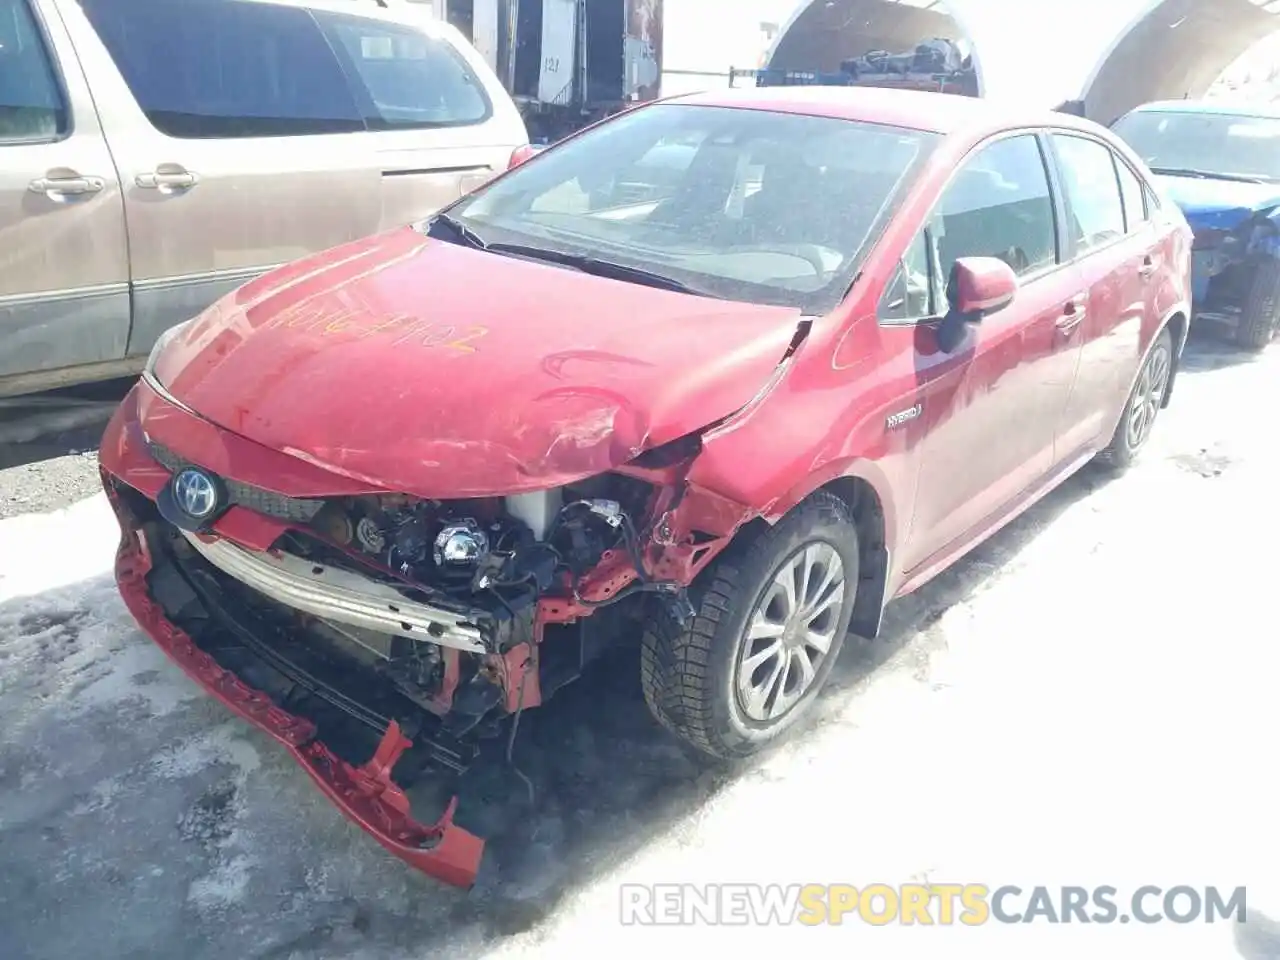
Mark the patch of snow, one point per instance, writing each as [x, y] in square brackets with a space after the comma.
[220, 745]
[43, 552]
[225, 886]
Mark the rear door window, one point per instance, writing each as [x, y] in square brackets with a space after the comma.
[31, 103]
[404, 78]
[216, 69]
[1093, 192]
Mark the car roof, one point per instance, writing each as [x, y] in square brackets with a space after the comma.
[1227, 108]
[943, 113]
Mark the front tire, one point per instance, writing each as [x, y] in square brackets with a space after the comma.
[772, 613]
[1258, 319]
[1144, 404]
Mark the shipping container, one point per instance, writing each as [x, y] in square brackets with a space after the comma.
[572, 62]
[567, 63]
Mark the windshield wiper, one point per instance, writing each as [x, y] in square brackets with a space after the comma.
[1205, 174]
[469, 236]
[584, 264]
[595, 266]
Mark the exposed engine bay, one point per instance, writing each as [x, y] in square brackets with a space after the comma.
[492, 560]
[462, 548]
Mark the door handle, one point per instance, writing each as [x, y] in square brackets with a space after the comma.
[170, 181]
[1149, 266]
[1073, 314]
[66, 186]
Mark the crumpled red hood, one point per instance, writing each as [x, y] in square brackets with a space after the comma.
[437, 370]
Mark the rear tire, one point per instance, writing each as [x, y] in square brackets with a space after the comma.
[753, 659]
[1143, 406]
[1258, 319]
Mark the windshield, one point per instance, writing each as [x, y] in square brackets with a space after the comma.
[1213, 143]
[738, 204]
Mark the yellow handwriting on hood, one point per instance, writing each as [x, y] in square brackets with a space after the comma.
[402, 327]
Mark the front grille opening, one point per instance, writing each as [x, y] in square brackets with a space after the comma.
[266, 502]
[258, 641]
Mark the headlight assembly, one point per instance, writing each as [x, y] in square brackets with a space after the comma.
[149, 371]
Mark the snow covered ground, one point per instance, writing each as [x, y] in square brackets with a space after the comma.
[1090, 699]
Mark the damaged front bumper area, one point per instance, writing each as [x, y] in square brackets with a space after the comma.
[205, 638]
[383, 638]
[1223, 265]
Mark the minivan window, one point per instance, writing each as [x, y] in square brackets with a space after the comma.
[998, 205]
[404, 78]
[740, 204]
[1093, 192]
[31, 104]
[203, 69]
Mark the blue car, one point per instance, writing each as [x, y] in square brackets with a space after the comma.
[1220, 163]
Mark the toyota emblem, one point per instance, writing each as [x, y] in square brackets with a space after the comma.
[195, 493]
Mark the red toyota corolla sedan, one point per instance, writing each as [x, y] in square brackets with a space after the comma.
[734, 369]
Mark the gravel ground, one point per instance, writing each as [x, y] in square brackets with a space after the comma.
[49, 483]
[48, 447]
[1089, 698]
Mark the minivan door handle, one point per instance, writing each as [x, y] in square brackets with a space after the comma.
[1148, 267]
[55, 187]
[172, 178]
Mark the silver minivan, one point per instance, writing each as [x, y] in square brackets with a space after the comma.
[155, 154]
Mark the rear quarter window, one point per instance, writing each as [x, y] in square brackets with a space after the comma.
[1134, 196]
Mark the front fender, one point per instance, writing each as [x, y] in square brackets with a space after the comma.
[802, 437]
[845, 468]
[880, 531]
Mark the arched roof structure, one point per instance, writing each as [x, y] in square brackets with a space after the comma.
[1108, 55]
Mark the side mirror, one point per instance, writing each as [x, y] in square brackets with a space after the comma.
[520, 154]
[981, 286]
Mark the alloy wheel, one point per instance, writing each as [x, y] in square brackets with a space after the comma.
[790, 633]
[1148, 395]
